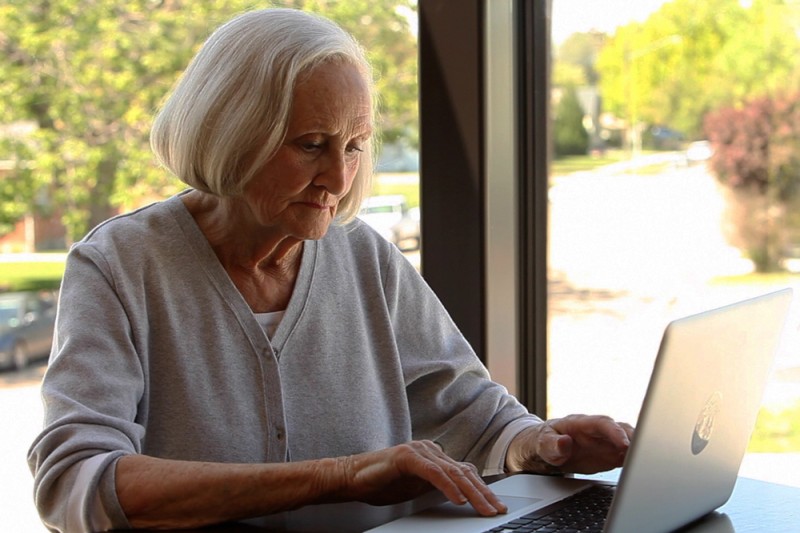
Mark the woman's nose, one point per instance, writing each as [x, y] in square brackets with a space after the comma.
[335, 176]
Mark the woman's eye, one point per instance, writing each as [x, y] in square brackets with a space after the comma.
[352, 149]
[312, 146]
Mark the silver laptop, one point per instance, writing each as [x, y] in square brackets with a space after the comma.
[693, 429]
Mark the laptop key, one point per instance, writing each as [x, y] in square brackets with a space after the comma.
[583, 512]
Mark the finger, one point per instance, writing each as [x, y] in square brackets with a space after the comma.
[620, 433]
[480, 496]
[461, 484]
[598, 443]
[554, 448]
[597, 427]
[629, 430]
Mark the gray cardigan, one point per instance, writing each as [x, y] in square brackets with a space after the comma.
[156, 352]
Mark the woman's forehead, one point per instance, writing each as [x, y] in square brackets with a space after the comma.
[334, 96]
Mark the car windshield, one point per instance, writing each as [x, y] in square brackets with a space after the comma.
[8, 312]
[380, 209]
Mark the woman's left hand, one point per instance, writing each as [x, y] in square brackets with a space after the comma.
[576, 443]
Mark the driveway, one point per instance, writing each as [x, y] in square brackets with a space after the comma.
[628, 253]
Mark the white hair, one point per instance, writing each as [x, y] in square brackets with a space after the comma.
[229, 112]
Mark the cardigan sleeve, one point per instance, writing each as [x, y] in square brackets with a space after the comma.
[452, 399]
[90, 391]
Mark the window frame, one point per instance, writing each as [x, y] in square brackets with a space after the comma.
[459, 226]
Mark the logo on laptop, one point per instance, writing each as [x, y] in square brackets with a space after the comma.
[705, 423]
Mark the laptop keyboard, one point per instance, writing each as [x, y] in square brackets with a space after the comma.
[584, 511]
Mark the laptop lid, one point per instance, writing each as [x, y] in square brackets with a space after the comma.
[698, 414]
[693, 429]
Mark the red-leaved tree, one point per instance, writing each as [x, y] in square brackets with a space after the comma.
[757, 156]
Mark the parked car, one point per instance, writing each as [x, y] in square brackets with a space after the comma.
[790, 259]
[27, 320]
[699, 152]
[390, 216]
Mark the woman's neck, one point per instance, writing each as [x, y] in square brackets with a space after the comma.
[262, 265]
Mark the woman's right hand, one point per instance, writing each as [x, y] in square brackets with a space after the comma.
[169, 494]
[408, 470]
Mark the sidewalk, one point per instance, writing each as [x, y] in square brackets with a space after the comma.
[21, 420]
[44, 257]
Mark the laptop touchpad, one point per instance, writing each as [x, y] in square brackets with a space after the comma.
[513, 503]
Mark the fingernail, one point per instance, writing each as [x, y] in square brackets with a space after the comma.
[564, 445]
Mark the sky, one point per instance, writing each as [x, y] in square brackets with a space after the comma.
[570, 16]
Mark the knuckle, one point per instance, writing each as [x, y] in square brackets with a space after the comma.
[415, 445]
[408, 446]
[430, 468]
[461, 470]
[468, 468]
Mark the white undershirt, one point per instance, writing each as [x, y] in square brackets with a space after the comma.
[269, 321]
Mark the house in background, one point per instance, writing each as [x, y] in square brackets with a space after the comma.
[33, 233]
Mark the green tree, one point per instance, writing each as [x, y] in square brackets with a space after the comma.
[691, 57]
[579, 52]
[17, 184]
[569, 135]
[89, 74]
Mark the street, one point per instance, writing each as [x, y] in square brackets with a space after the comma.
[21, 421]
[628, 253]
[646, 233]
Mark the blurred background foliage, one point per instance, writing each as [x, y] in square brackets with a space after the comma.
[80, 81]
[690, 58]
[726, 71]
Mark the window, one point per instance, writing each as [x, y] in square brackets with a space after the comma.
[576, 263]
[644, 224]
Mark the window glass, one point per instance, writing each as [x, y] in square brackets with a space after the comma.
[84, 156]
[396, 181]
[673, 189]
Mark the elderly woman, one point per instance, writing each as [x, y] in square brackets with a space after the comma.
[247, 347]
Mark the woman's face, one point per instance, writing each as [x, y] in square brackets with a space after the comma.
[297, 191]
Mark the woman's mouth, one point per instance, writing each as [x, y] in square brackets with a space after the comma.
[314, 205]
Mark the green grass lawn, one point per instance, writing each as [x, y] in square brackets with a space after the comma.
[757, 278]
[577, 163]
[408, 189]
[777, 431]
[32, 275]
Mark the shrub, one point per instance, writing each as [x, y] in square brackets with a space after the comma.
[757, 156]
[569, 135]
